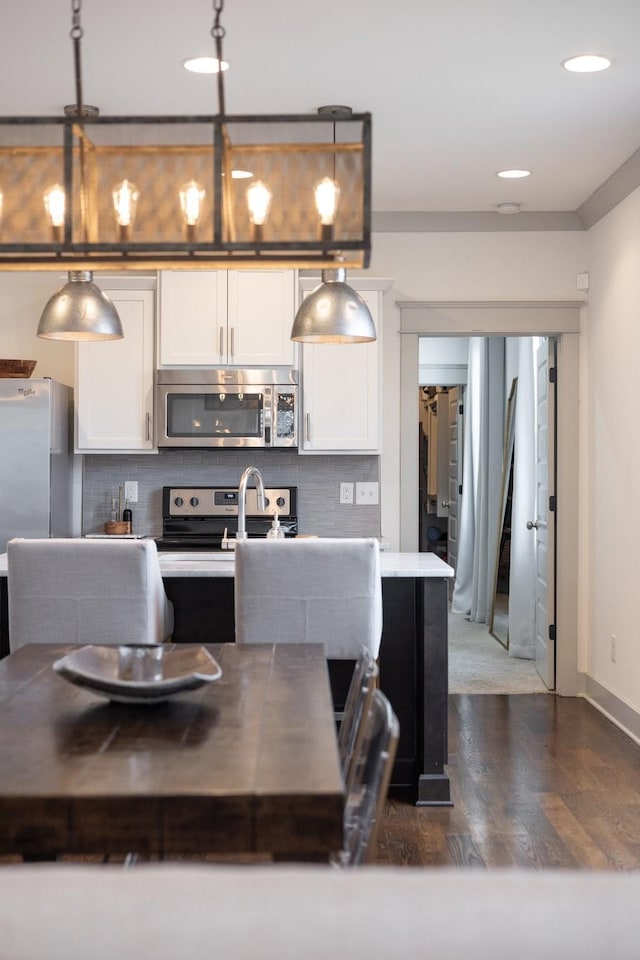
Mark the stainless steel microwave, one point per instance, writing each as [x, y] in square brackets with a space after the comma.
[226, 408]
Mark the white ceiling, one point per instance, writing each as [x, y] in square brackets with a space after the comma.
[458, 89]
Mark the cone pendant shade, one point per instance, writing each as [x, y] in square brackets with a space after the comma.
[80, 310]
[333, 313]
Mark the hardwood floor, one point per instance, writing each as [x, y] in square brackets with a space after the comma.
[537, 781]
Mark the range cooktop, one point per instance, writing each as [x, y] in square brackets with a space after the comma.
[196, 518]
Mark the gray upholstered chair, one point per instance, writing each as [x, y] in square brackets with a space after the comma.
[325, 591]
[86, 591]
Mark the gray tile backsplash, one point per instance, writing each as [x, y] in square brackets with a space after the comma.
[317, 479]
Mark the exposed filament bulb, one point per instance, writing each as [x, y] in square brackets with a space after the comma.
[191, 202]
[259, 202]
[327, 194]
[125, 204]
[54, 205]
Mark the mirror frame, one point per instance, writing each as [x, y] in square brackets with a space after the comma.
[507, 455]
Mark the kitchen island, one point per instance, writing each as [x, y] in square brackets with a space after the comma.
[413, 652]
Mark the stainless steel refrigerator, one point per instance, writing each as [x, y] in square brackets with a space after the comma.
[36, 459]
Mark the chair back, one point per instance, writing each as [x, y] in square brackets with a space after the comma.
[325, 591]
[370, 782]
[74, 590]
[356, 708]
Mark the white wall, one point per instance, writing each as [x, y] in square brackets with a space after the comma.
[611, 435]
[22, 298]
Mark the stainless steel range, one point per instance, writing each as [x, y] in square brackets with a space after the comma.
[196, 518]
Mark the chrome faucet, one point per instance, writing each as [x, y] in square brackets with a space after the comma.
[242, 499]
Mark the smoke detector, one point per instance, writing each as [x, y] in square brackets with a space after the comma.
[509, 208]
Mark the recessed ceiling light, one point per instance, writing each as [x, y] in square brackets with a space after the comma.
[513, 174]
[586, 63]
[203, 64]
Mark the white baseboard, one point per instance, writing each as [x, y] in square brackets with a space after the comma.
[615, 709]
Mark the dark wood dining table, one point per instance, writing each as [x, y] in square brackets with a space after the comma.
[245, 764]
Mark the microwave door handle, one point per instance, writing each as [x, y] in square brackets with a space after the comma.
[268, 404]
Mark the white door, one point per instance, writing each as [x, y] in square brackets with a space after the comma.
[543, 527]
[455, 473]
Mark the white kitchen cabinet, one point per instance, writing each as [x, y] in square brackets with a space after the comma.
[239, 318]
[114, 381]
[341, 391]
[192, 311]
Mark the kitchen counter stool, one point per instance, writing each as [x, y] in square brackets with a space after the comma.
[70, 590]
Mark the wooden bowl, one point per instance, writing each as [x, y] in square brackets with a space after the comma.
[17, 368]
[116, 527]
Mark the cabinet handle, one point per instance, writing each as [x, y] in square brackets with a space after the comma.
[221, 350]
[308, 427]
[233, 341]
[148, 419]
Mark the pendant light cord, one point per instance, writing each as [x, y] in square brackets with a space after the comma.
[218, 32]
[76, 35]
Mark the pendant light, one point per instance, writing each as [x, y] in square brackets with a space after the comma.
[333, 313]
[80, 310]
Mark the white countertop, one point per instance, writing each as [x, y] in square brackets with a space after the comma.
[391, 565]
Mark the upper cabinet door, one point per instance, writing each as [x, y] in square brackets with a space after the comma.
[216, 318]
[192, 318]
[341, 393]
[261, 307]
[114, 381]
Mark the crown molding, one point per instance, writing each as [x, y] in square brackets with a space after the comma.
[613, 191]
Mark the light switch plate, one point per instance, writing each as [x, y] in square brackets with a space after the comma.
[367, 492]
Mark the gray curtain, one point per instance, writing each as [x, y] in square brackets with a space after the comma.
[481, 478]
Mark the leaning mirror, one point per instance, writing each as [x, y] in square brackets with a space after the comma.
[499, 617]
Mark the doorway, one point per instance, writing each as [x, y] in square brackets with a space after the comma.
[483, 318]
[504, 440]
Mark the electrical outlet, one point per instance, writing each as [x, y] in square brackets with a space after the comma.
[131, 491]
[346, 493]
[367, 492]
[614, 651]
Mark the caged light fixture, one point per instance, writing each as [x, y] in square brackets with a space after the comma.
[215, 191]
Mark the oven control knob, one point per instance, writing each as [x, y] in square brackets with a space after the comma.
[178, 501]
[280, 501]
[194, 501]
[266, 502]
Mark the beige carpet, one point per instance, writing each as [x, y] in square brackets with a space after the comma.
[479, 664]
